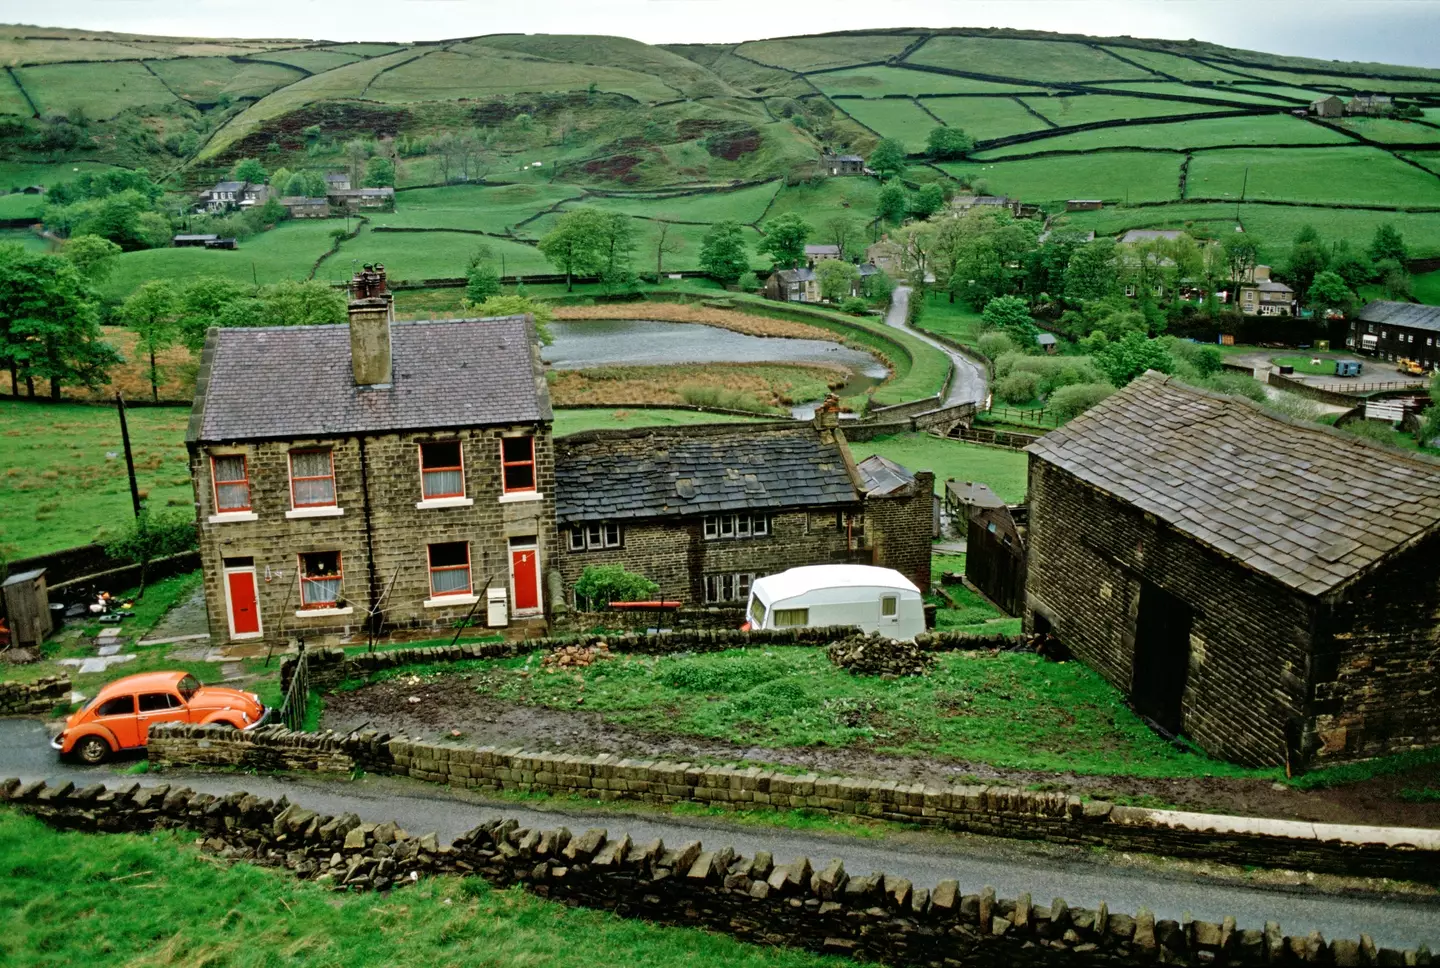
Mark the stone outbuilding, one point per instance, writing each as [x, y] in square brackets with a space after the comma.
[378, 474]
[1268, 588]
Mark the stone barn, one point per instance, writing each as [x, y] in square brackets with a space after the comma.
[1266, 587]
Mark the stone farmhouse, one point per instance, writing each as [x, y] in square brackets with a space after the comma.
[793, 285]
[843, 164]
[1267, 588]
[341, 471]
[705, 510]
[1397, 330]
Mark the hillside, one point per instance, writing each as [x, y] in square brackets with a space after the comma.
[1166, 133]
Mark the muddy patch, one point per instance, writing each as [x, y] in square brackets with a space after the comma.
[448, 708]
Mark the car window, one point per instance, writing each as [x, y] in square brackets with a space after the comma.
[189, 686]
[154, 701]
[118, 706]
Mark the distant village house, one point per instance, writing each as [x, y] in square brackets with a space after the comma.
[843, 164]
[793, 285]
[1397, 331]
[1328, 107]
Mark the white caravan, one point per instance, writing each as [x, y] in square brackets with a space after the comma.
[874, 599]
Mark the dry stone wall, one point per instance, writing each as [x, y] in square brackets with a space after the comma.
[997, 811]
[40, 696]
[877, 917]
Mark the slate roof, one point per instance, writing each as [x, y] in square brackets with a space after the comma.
[972, 493]
[629, 474]
[1407, 315]
[880, 476]
[796, 275]
[1305, 505]
[227, 186]
[827, 250]
[260, 383]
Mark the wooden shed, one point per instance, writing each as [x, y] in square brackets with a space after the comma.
[27, 605]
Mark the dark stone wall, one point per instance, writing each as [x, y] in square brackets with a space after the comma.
[900, 528]
[876, 917]
[40, 696]
[1245, 697]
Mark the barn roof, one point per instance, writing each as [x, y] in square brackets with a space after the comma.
[1408, 315]
[1303, 504]
[282, 382]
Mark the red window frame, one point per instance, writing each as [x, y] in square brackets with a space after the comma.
[505, 466]
[334, 497]
[215, 482]
[338, 577]
[469, 588]
[460, 451]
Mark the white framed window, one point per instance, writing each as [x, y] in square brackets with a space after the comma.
[595, 536]
[728, 588]
[728, 526]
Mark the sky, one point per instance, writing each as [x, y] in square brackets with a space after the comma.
[1386, 31]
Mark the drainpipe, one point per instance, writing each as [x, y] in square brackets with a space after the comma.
[373, 620]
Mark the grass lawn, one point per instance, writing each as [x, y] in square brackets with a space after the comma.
[896, 118]
[18, 174]
[1178, 136]
[1039, 60]
[1427, 287]
[1008, 710]
[62, 471]
[1114, 176]
[575, 421]
[485, 208]
[954, 320]
[1336, 176]
[101, 90]
[65, 901]
[1302, 364]
[1004, 470]
[880, 81]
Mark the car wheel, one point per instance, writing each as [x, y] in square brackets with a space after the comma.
[92, 750]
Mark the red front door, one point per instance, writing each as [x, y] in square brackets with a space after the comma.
[525, 574]
[244, 612]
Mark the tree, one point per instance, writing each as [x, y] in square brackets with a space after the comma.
[928, 200]
[1241, 253]
[1307, 258]
[599, 585]
[893, 202]
[514, 304]
[1071, 401]
[1092, 272]
[837, 279]
[307, 303]
[722, 252]
[1394, 279]
[947, 143]
[575, 245]
[298, 184]
[356, 151]
[1347, 263]
[840, 231]
[151, 312]
[279, 179]
[877, 285]
[49, 327]
[616, 233]
[202, 303]
[481, 282]
[1123, 360]
[1011, 316]
[92, 255]
[151, 536]
[784, 240]
[888, 158]
[665, 244]
[1328, 291]
[1388, 244]
[250, 170]
[379, 173]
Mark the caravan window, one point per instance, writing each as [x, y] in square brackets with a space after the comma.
[757, 614]
[791, 618]
[889, 606]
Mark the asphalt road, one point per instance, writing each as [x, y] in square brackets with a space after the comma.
[1082, 878]
[969, 384]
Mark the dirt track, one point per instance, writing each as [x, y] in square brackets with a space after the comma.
[450, 709]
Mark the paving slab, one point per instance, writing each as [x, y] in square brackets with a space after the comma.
[98, 664]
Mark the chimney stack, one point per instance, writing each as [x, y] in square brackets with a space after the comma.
[372, 310]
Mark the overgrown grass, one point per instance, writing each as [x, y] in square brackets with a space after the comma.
[1008, 710]
[153, 899]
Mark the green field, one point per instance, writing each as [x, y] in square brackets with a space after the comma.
[897, 118]
[1111, 175]
[951, 319]
[583, 49]
[26, 239]
[206, 78]
[1174, 65]
[20, 205]
[1334, 176]
[1427, 287]
[12, 100]
[100, 91]
[822, 53]
[1348, 82]
[1280, 91]
[1185, 135]
[481, 207]
[744, 205]
[1003, 470]
[286, 252]
[154, 899]
[410, 256]
[471, 70]
[983, 118]
[1429, 159]
[1391, 131]
[313, 61]
[1231, 93]
[1030, 60]
[60, 486]
[18, 174]
[873, 82]
[1089, 108]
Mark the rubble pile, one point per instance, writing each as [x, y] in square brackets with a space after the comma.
[575, 656]
[875, 655]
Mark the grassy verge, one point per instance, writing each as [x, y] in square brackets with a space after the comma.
[1345, 774]
[64, 902]
[1008, 710]
[1004, 470]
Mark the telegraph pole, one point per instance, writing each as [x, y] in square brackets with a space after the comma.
[129, 456]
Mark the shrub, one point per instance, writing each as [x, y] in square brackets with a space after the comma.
[1235, 385]
[995, 345]
[1294, 406]
[1052, 372]
[1075, 399]
[749, 282]
[601, 584]
[154, 535]
[1204, 360]
[1018, 387]
[1373, 430]
[855, 306]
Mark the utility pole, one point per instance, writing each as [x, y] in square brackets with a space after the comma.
[1244, 185]
[129, 455]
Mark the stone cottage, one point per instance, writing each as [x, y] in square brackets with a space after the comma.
[1266, 587]
[704, 510]
[378, 473]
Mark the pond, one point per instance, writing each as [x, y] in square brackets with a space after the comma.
[644, 342]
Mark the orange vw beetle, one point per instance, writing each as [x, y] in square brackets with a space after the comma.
[120, 715]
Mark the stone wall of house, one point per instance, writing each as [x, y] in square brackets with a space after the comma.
[876, 917]
[899, 528]
[40, 696]
[674, 552]
[991, 810]
[376, 477]
[1376, 664]
[1089, 558]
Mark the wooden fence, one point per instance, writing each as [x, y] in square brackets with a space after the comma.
[1042, 417]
